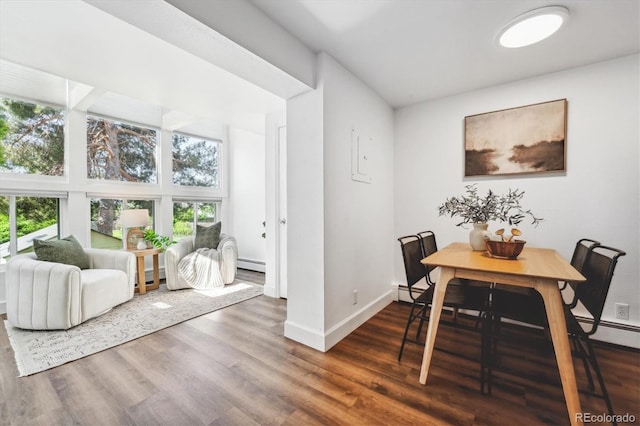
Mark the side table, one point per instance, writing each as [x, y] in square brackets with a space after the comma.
[142, 284]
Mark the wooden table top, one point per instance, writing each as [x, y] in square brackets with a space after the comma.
[532, 262]
[145, 252]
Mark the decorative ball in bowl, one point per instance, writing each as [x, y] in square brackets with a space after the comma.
[505, 249]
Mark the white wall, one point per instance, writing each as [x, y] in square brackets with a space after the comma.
[247, 197]
[358, 216]
[337, 227]
[597, 197]
[305, 210]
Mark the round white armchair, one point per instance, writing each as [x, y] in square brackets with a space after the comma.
[184, 270]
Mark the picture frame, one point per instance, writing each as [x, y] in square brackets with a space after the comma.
[520, 140]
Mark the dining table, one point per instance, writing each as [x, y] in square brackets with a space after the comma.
[537, 268]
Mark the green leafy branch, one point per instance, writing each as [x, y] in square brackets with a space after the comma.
[473, 208]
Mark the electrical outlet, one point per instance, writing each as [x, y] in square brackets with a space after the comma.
[622, 311]
[355, 297]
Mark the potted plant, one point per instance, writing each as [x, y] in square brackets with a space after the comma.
[479, 210]
[157, 240]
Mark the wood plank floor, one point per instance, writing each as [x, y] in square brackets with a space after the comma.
[234, 367]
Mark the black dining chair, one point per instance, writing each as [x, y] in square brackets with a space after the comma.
[597, 264]
[578, 259]
[461, 294]
[525, 304]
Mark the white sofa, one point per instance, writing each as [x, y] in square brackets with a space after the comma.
[174, 253]
[53, 296]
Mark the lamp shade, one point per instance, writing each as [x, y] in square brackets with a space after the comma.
[134, 217]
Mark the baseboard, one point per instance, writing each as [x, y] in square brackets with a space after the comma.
[148, 274]
[616, 333]
[323, 342]
[301, 334]
[349, 324]
[252, 265]
[403, 292]
[270, 290]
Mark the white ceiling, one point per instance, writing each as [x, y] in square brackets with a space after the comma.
[406, 50]
[414, 50]
[111, 60]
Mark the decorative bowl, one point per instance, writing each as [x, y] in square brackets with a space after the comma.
[505, 249]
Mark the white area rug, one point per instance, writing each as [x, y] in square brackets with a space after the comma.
[36, 351]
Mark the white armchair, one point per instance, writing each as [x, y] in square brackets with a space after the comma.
[175, 253]
[52, 296]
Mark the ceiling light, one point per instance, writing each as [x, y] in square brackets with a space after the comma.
[533, 26]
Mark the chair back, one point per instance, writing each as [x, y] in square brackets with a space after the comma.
[581, 252]
[429, 246]
[412, 255]
[579, 259]
[598, 270]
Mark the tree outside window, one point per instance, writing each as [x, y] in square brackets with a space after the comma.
[195, 161]
[121, 152]
[31, 138]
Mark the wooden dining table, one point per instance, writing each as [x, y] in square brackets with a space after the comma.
[537, 268]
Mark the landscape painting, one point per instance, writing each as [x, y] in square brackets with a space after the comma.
[527, 139]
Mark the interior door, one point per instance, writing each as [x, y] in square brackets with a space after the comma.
[282, 212]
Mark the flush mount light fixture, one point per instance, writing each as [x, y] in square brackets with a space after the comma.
[533, 26]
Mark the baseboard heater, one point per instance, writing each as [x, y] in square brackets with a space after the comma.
[252, 265]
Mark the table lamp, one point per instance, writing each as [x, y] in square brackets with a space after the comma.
[134, 220]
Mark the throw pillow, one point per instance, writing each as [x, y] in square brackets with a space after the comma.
[207, 236]
[65, 250]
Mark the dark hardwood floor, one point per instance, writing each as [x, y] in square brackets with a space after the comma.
[234, 367]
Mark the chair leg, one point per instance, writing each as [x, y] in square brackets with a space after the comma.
[484, 347]
[596, 368]
[454, 315]
[406, 330]
[583, 354]
[423, 315]
[494, 331]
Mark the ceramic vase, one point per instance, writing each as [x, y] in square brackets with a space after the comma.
[476, 236]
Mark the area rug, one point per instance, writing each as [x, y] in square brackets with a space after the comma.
[36, 351]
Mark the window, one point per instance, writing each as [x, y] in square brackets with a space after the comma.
[35, 217]
[106, 230]
[195, 161]
[119, 151]
[31, 138]
[187, 214]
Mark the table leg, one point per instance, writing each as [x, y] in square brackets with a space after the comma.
[142, 286]
[156, 273]
[446, 274]
[557, 326]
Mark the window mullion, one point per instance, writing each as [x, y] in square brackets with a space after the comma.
[13, 227]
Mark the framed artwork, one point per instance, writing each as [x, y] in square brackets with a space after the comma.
[527, 139]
